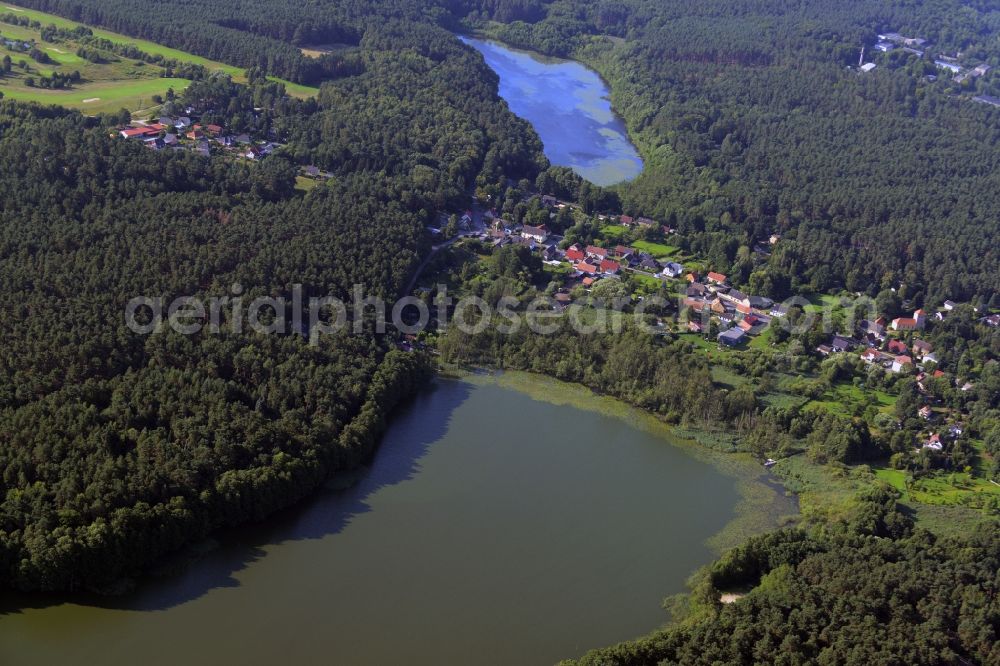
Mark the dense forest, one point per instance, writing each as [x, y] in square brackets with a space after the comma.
[120, 447]
[751, 123]
[748, 117]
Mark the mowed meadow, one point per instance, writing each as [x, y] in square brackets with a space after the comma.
[109, 86]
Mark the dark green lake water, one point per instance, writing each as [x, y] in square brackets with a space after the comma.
[491, 528]
[568, 106]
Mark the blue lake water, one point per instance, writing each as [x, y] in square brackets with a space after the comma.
[569, 108]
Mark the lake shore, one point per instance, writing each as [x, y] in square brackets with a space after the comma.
[764, 502]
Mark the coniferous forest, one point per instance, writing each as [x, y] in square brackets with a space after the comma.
[117, 448]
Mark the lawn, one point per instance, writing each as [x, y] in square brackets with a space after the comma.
[646, 279]
[699, 342]
[613, 231]
[658, 250]
[152, 48]
[98, 96]
[304, 184]
[64, 57]
[762, 341]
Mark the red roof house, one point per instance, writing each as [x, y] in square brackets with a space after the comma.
[133, 132]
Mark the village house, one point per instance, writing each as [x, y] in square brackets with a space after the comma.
[926, 412]
[778, 311]
[672, 269]
[623, 252]
[695, 326]
[915, 323]
[734, 296]
[870, 355]
[717, 278]
[872, 329]
[649, 264]
[732, 338]
[574, 253]
[921, 348]
[138, 132]
[697, 289]
[609, 267]
[897, 347]
[539, 233]
[747, 323]
[901, 362]
[694, 303]
[842, 343]
[595, 252]
[934, 443]
[824, 350]
[584, 267]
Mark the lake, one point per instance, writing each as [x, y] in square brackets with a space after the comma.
[490, 528]
[568, 106]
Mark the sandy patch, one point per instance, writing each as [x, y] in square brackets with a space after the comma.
[729, 597]
[52, 48]
[14, 9]
[91, 99]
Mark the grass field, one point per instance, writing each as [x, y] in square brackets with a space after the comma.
[658, 250]
[646, 279]
[845, 398]
[101, 96]
[699, 342]
[614, 232]
[110, 100]
[943, 488]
